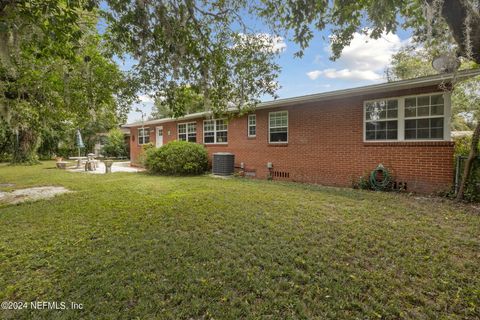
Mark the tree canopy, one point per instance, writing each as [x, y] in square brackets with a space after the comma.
[204, 44]
[432, 21]
[55, 73]
[416, 61]
[212, 45]
[178, 102]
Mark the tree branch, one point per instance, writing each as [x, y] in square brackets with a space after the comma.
[455, 13]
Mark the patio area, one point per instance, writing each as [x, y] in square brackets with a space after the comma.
[123, 166]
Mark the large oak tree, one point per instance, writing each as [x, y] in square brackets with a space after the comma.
[54, 72]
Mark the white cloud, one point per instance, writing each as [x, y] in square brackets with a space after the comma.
[314, 74]
[145, 98]
[278, 44]
[345, 74]
[363, 59]
[365, 53]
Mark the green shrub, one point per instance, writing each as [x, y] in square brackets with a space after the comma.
[115, 144]
[6, 142]
[362, 182]
[472, 189]
[5, 157]
[462, 145]
[142, 157]
[66, 150]
[177, 158]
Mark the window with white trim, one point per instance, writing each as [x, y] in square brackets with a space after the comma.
[215, 131]
[278, 127]
[187, 131]
[424, 117]
[252, 125]
[381, 120]
[143, 135]
[421, 117]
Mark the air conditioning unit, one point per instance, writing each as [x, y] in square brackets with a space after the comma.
[223, 163]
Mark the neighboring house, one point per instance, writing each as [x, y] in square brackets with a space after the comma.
[331, 138]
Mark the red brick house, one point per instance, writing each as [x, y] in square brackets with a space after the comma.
[331, 138]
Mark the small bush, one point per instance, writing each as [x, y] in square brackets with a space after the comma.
[177, 158]
[5, 157]
[142, 157]
[115, 144]
[472, 189]
[363, 182]
[462, 145]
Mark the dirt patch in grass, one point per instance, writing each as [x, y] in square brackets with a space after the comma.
[6, 185]
[31, 194]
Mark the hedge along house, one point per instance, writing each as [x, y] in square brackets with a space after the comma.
[331, 138]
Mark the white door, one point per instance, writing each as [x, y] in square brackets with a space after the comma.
[159, 138]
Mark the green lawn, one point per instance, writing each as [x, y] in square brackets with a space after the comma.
[137, 246]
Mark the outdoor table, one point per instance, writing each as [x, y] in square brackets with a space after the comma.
[79, 160]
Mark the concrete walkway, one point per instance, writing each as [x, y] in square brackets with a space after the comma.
[30, 194]
[116, 167]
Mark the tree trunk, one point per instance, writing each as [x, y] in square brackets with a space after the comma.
[26, 142]
[456, 13]
[469, 163]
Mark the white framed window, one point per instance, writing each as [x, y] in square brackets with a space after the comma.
[252, 125]
[409, 118]
[215, 131]
[381, 120]
[278, 127]
[424, 117]
[187, 131]
[143, 135]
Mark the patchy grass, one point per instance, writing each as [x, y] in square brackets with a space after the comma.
[138, 246]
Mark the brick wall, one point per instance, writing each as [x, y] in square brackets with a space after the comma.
[325, 146]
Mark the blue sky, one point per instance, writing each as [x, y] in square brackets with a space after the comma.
[362, 63]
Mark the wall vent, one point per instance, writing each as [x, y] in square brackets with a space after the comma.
[250, 173]
[281, 174]
[399, 186]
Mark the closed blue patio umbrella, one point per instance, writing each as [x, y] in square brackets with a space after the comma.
[79, 141]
